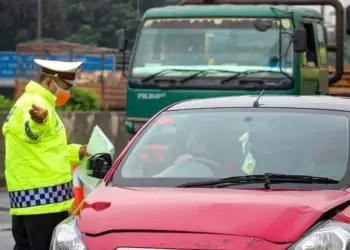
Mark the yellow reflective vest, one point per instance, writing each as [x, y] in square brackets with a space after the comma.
[37, 158]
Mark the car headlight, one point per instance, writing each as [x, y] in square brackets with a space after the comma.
[330, 236]
[66, 236]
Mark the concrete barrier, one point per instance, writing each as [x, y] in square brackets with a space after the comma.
[79, 126]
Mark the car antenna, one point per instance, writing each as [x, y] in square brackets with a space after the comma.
[256, 102]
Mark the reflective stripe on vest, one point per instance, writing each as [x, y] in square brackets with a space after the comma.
[41, 196]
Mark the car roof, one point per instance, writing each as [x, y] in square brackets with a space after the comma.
[265, 101]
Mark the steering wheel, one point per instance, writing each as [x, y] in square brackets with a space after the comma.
[215, 167]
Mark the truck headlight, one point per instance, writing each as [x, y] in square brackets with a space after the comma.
[66, 236]
[332, 235]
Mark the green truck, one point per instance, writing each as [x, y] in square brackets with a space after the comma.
[200, 49]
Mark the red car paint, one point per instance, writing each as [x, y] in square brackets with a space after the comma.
[180, 241]
[343, 216]
[278, 217]
[173, 218]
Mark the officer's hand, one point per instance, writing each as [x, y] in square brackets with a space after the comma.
[38, 114]
[83, 151]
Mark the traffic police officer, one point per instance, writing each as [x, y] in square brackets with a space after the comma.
[37, 158]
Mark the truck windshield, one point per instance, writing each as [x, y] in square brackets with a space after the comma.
[215, 44]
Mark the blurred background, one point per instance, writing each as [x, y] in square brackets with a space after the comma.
[81, 30]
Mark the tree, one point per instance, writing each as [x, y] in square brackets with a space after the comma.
[96, 22]
[145, 5]
[81, 21]
[18, 21]
[84, 35]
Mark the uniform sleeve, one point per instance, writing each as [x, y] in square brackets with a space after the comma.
[73, 153]
[33, 130]
[20, 123]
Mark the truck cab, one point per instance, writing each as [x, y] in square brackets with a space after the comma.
[201, 49]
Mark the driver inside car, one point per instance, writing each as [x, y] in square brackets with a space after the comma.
[196, 146]
[197, 160]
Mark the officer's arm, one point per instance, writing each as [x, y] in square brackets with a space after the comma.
[73, 153]
[33, 130]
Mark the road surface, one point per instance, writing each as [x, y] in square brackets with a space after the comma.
[5, 223]
[5, 231]
[6, 239]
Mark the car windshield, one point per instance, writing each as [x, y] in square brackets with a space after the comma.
[215, 44]
[180, 146]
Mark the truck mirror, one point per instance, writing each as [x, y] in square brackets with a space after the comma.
[299, 40]
[131, 27]
[347, 19]
[332, 47]
[261, 25]
[120, 34]
[133, 24]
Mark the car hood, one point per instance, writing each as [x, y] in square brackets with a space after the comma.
[273, 215]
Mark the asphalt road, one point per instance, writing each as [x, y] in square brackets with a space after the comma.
[5, 223]
[6, 240]
[5, 231]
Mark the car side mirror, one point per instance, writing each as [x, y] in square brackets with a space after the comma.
[299, 40]
[120, 34]
[347, 20]
[99, 165]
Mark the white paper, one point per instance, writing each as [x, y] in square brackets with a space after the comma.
[98, 143]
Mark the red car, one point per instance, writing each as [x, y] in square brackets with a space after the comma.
[237, 173]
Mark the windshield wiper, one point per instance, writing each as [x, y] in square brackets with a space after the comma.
[247, 72]
[266, 179]
[150, 77]
[206, 71]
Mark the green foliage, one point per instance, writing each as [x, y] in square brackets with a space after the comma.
[81, 100]
[18, 20]
[5, 103]
[84, 35]
[87, 22]
[96, 22]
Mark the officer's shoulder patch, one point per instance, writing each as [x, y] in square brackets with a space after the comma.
[12, 110]
[29, 132]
